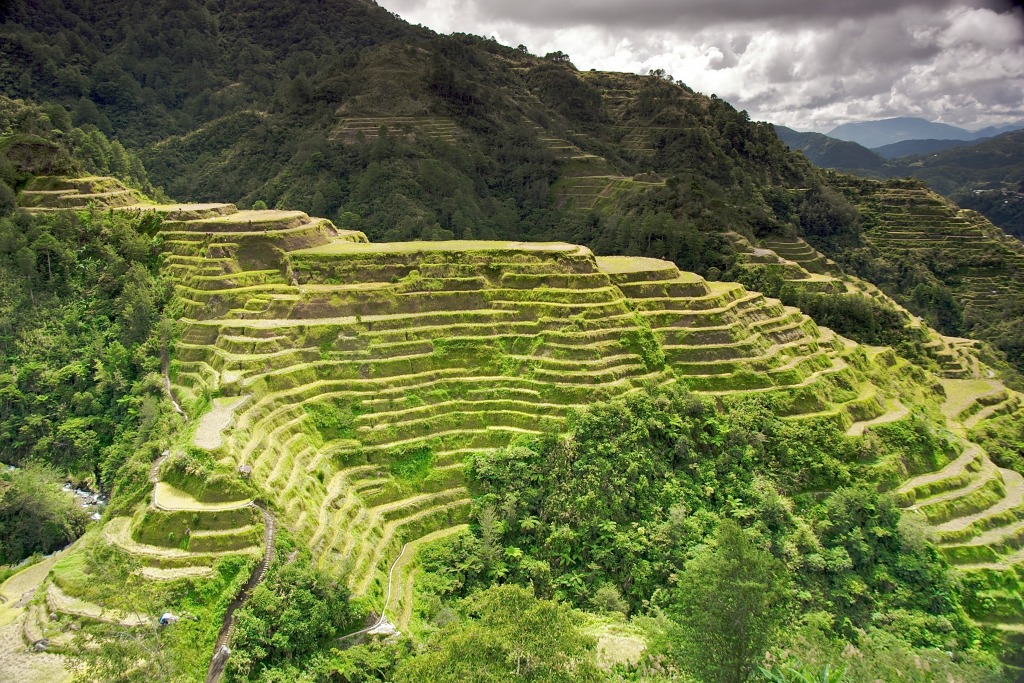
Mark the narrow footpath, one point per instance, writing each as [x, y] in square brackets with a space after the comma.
[220, 649]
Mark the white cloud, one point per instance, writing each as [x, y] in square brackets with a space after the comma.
[810, 65]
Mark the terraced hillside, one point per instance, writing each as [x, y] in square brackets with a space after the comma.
[352, 379]
[57, 193]
[367, 129]
[983, 266]
[804, 269]
[974, 508]
[178, 539]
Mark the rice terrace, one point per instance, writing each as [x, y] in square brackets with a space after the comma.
[337, 350]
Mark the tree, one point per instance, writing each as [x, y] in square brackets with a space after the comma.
[36, 516]
[730, 602]
[507, 635]
[559, 57]
[7, 200]
[290, 615]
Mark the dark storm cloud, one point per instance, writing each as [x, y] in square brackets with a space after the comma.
[810, 65]
[661, 13]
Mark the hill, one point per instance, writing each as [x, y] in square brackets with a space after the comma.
[874, 134]
[447, 342]
[990, 164]
[371, 391]
[916, 147]
[985, 176]
[828, 152]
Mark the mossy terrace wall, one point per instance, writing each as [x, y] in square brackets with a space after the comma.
[364, 373]
[803, 268]
[372, 370]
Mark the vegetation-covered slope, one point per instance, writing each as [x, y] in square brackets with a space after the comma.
[982, 175]
[372, 388]
[829, 152]
[424, 420]
[951, 264]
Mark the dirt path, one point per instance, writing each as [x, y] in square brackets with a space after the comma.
[220, 649]
[1014, 496]
[897, 411]
[406, 575]
[383, 612]
[981, 478]
[154, 469]
[61, 602]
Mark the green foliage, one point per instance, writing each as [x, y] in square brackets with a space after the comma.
[1004, 207]
[291, 615]
[411, 464]
[374, 662]
[881, 569]
[803, 674]
[829, 152]
[506, 634]
[1002, 438]
[331, 420]
[636, 483]
[859, 317]
[111, 653]
[195, 471]
[729, 604]
[874, 655]
[80, 299]
[40, 140]
[36, 516]
[984, 176]
[642, 342]
[917, 443]
[607, 598]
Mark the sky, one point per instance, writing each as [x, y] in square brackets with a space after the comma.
[807, 64]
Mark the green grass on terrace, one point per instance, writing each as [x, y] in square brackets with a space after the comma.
[341, 247]
[637, 264]
[257, 216]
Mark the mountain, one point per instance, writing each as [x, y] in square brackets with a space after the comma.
[912, 147]
[370, 391]
[874, 134]
[992, 131]
[828, 152]
[986, 176]
[473, 361]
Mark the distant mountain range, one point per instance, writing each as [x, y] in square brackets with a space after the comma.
[875, 134]
[911, 147]
[986, 174]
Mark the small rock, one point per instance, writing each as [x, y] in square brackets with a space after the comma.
[53, 616]
[41, 645]
[74, 626]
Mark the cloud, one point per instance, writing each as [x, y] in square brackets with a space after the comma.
[810, 65]
[661, 13]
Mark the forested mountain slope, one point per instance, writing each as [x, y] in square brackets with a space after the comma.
[399, 133]
[555, 388]
[373, 388]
